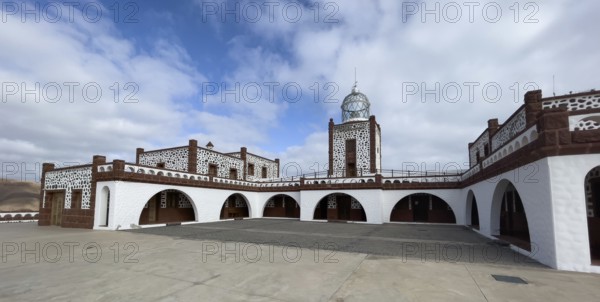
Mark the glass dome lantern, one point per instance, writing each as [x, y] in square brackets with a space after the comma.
[355, 106]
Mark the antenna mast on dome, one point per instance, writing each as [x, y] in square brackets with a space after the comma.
[355, 88]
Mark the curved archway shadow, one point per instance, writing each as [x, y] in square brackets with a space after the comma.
[168, 206]
[339, 207]
[282, 206]
[509, 217]
[472, 211]
[236, 206]
[422, 207]
[592, 193]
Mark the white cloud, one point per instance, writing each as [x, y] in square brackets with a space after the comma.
[371, 37]
[37, 130]
[388, 52]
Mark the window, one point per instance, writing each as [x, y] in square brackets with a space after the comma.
[264, 172]
[233, 174]
[76, 199]
[212, 169]
[160, 165]
[251, 169]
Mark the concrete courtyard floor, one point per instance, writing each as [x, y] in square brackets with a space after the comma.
[274, 260]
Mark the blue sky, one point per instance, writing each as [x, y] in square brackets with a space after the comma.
[167, 53]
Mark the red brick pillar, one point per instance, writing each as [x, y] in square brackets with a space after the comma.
[97, 160]
[138, 152]
[330, 168]
[372, 147]
[492, 127]
[118, 168]
[553, 127]
[244, 157]
[193, 156]
[378, 179]
[44, 213]
[533, 106]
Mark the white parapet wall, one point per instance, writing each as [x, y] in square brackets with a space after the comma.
[567, 184]
[124, 202]
[370, 200]
[551, 189]
[532, 184]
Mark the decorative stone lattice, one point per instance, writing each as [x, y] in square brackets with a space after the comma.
[223, 162]
[509, 130]
[354, 204]
[588, 124]
[184, 202]
[331, 202]
[259, 163]
[478, 146]
[593, 174]
[68, 180]
[163, 199]
[341, 133]
[174, 159]
[240, 202]
[574, 103]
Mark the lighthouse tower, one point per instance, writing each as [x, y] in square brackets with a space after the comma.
[355, 144]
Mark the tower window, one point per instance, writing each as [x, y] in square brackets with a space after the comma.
[76, 199]
[212, 169]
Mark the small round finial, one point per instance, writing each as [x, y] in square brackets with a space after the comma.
[355, 87]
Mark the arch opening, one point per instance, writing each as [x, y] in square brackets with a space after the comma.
[339, 207]
[472, 211]
[592, 196]
[422, 207]
[104, 206]
[235, 206]
[168, 206]
[282, 205]
[513, 220]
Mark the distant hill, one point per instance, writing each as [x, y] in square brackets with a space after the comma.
[19, 196]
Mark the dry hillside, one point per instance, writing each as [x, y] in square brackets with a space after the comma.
[19, 196]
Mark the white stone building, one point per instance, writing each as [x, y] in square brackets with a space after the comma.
[533, 181]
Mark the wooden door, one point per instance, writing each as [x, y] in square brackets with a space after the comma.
[58, 201]
[152, 208]
[343, 205]
[420, 210]
[351, 158]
